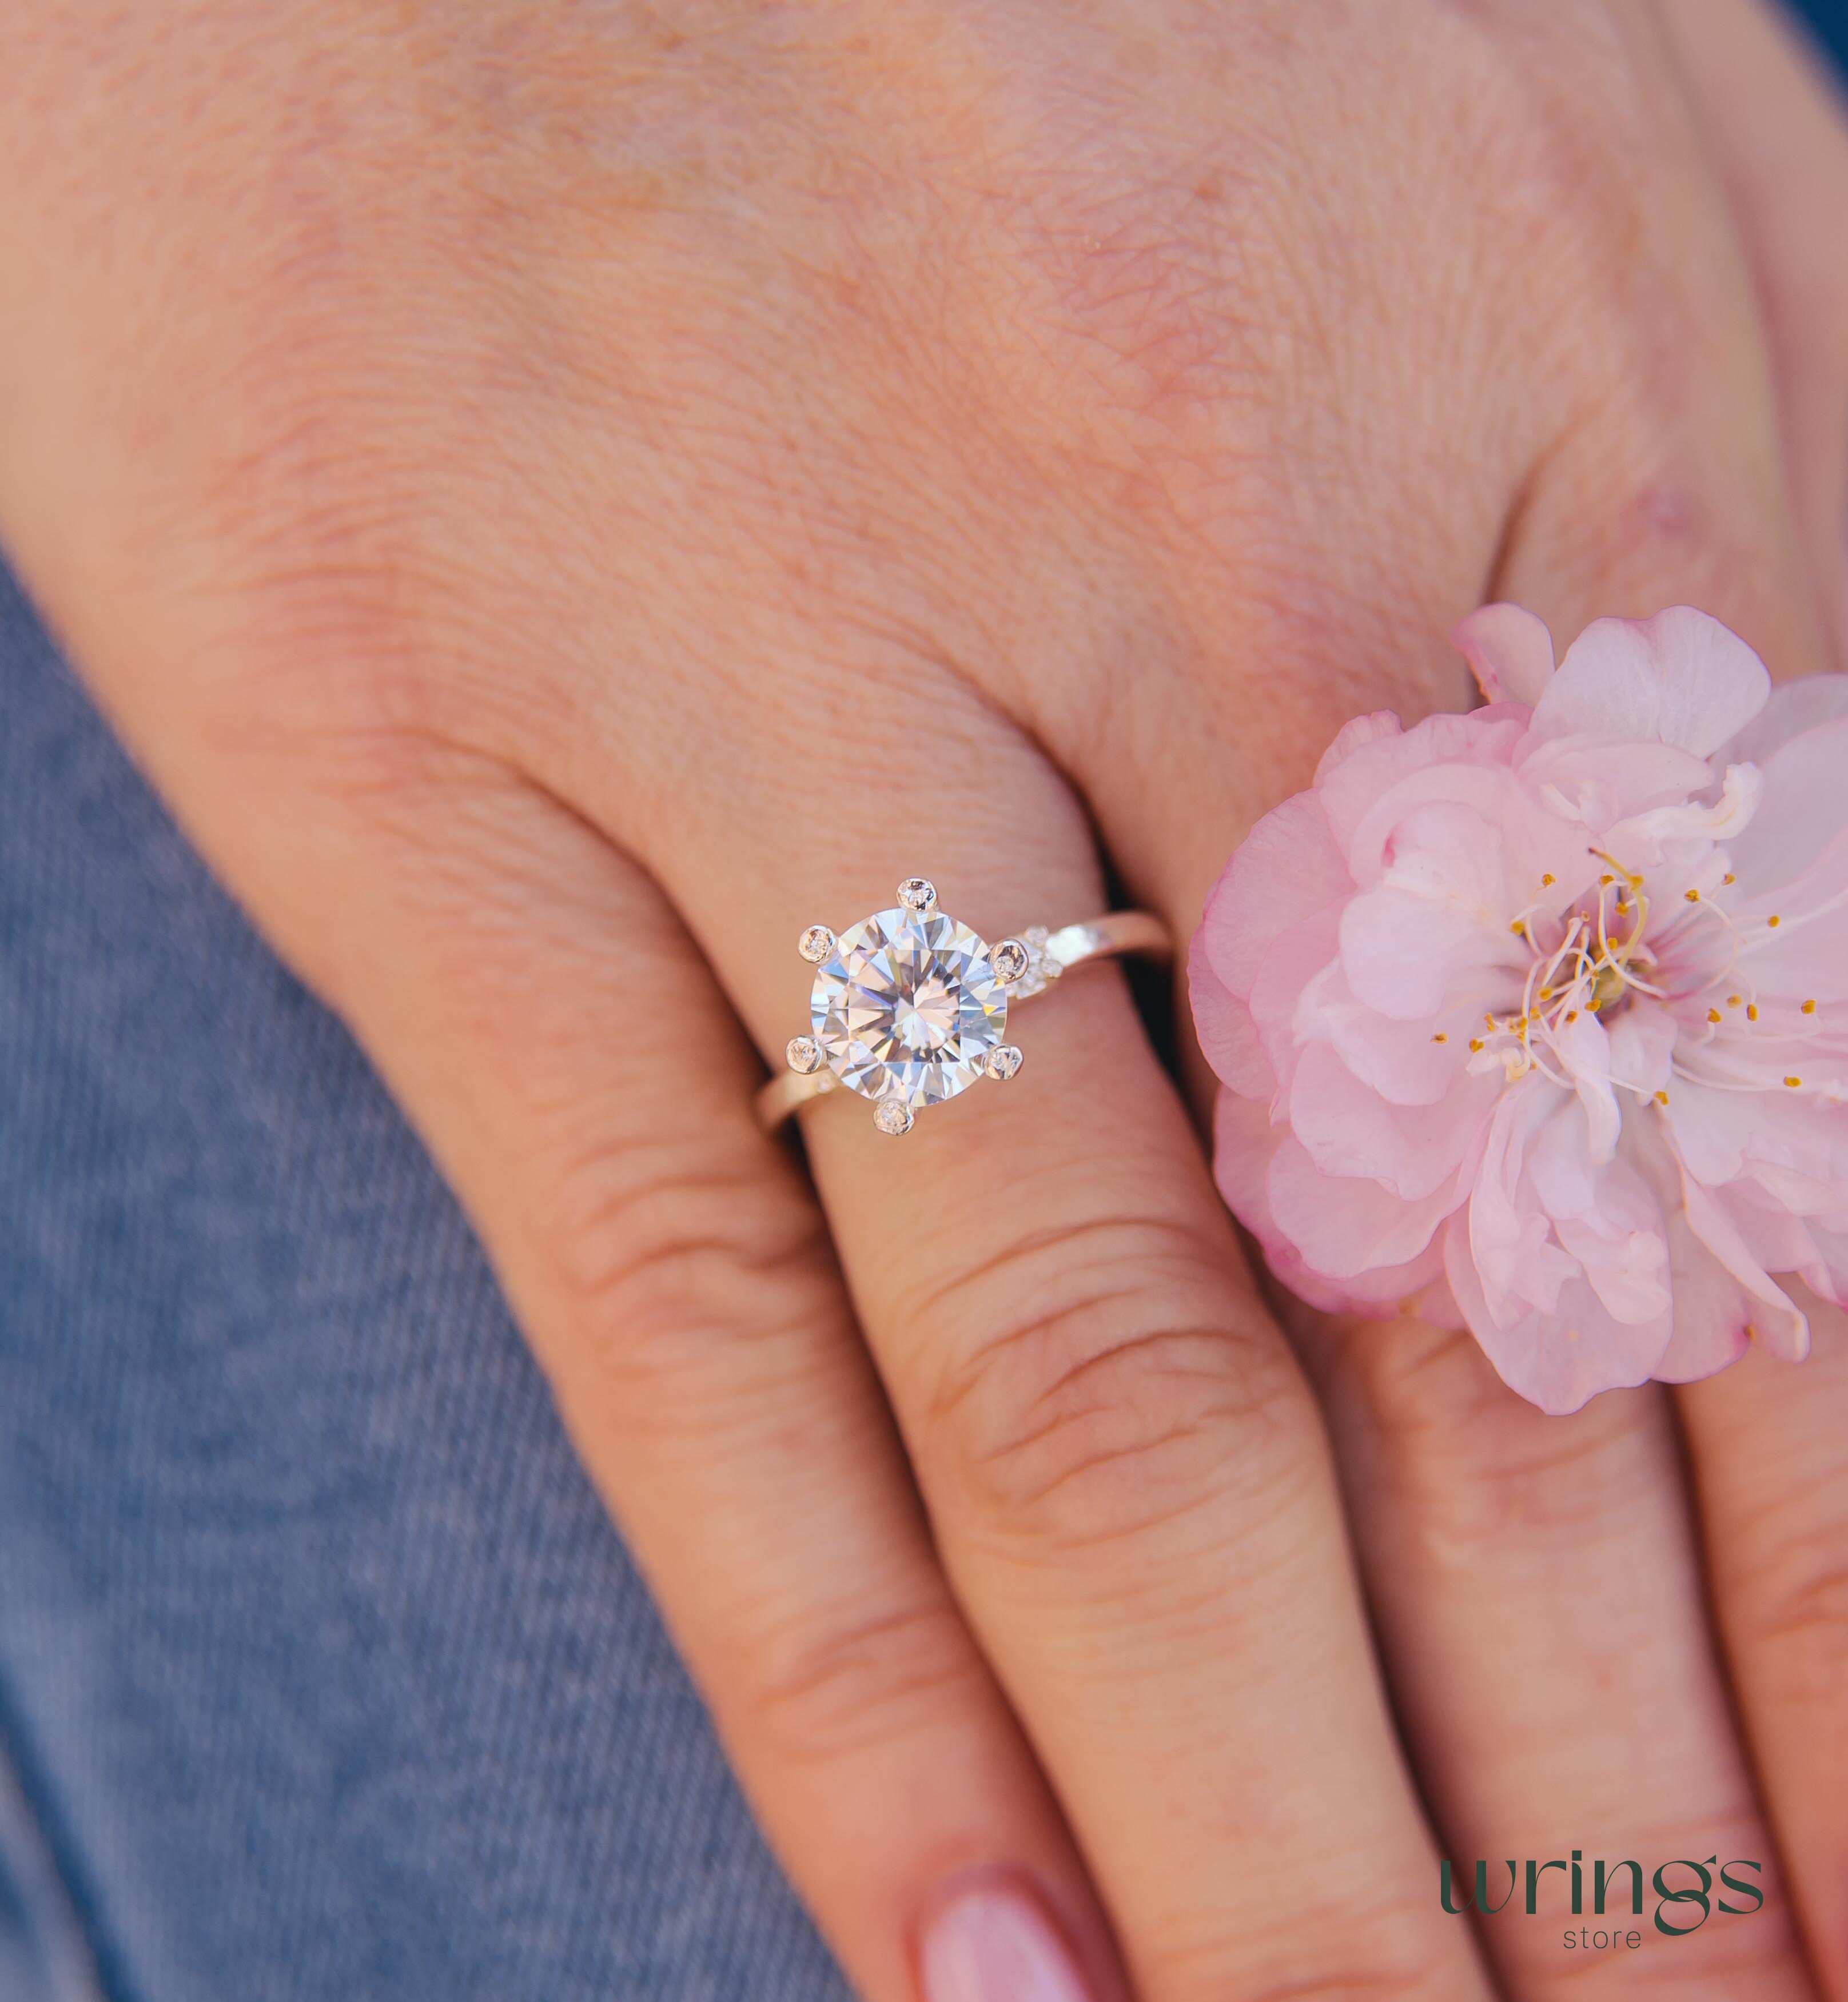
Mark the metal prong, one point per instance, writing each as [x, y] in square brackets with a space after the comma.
[804, 1054]
[891, 1115]
[1009, 960]
[1004, 1061]
[815, 943]
[917, 893]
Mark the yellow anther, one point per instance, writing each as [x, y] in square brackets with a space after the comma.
[1809, 1007]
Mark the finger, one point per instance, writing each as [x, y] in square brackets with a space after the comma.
[1123, 1471]
[531, 1000]
[1778, 129]
[1771, 1461]
[1767, 1445]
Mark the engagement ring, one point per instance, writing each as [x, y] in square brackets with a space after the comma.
[911, 1007]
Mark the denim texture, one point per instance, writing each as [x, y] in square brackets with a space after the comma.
[321, 1673]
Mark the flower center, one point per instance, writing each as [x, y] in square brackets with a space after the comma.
[1592, 966]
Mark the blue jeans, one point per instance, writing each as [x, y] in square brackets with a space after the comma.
[322, 1672]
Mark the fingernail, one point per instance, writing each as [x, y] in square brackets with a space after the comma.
[995, 1944]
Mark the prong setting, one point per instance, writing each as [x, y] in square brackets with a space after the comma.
[1010, 960]
[805, 1055]
[892, 1115]
[1004, 1061]
[917, 893]
[815, 943]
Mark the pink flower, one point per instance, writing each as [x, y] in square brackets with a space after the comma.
[1537, 1016]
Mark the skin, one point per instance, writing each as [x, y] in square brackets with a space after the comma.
[503, 467]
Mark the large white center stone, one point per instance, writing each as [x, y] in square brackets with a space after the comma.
[907, 1006]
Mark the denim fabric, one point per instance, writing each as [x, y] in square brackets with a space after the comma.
[1829, 20]
[321, 1674]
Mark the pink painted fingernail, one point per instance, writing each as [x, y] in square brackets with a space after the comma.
[995, 1944]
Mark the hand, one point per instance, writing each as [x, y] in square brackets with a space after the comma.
[559, 498]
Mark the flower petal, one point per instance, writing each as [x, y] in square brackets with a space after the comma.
[1804, 807]
[1773, 1318]
[1558, 1359]
[1229, 1036]
[1680, 677]
[1407, 1063]
[1509, 650]
[1351, 1130]
[1244, 1143]
[1342, 1225]
[1795, 707]
[1286, 868]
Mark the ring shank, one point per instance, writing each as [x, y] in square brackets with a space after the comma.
[1109, 937]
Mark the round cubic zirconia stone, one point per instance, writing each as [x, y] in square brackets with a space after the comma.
[907, 1006]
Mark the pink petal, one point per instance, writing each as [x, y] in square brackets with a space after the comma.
[1642, 1047]
[1407, 1063]
[1602, 786]
[1584, 1051]
[1605, 1216]
[1286, 869]
[1295, 960]
[1509, 1246]
[1795, 707]
[1245, 1143]
[1558, 1359]
[1229, 1036]
[1804, 956]
[1436, 930]
[1342, 1225]
[1776, 1321]
[1349, 1129]
[1509, 652]
[1805, 806]
[1352, 790]
[1680, 677]
[1355, 735]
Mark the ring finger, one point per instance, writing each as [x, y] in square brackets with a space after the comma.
[1125, 1473]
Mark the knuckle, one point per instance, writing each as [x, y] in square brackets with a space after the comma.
[1378, 1950]
[1794, 1596]
[1474, 1463]
[665, 1250]
[1087, 1413]
[824, 1694]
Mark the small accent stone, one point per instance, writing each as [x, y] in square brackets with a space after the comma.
[804, 1054]
[917, 893]
[1004, 1061]
[815, 943]
[1043, 969]
[1010, 959]
[891, 1115]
